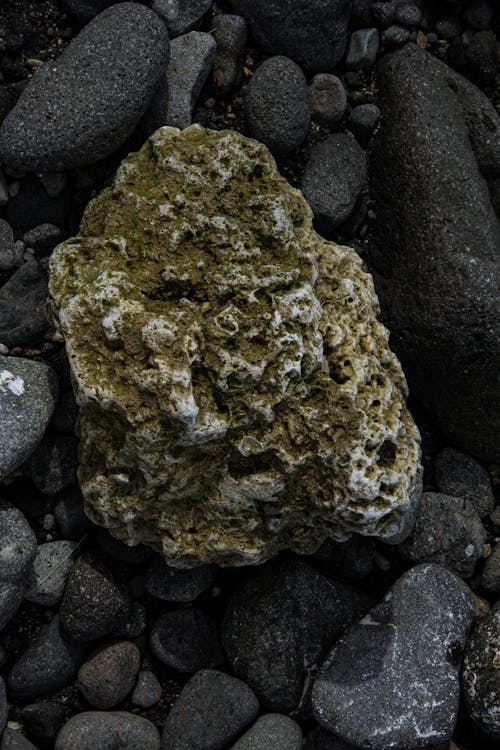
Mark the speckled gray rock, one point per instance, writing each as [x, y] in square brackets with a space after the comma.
[50, 570]
[49, 664]
[311, 32]
[490, 579]
[3, 706]
[186, 640]
[82, 106]
[481, 675]
[28, 393]
[362, 121]
[288, 615]
[212, 710]
[180, 15]
[271, 730]
[230, 34]
[14, 740]
[52, 465]
[437, 264]
[108, 729]
[449, 532]
[461, 475]
[333, 179]
[17, 552]
[191, 58]
[147, 691]
[175, 585]
[22, 306]
[276, 105]
[109, 675]
[363, 48]
[392, 680]
[327, 99]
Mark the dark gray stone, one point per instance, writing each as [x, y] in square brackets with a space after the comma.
[449, 532]
[52, 465]
[42, 721]
[230, 34]
[13, 740]
[4, 706]
[392, 681]
[212, 711]
[276, 105]
[408, 14]
[490, 579]
[120, 551]
[17, 552]
[28, 393]
[70, 515]
[49, 664]
[44, 238]
[108, 729]
[311, 32]
[278, 627]
[395, 36]
[478, 14]
[333, 180]
[327, 99]
[147, 691]
[191, 59]
[175, 584]
[108, 676]
[481, 676]
[448, 27]
[180, 15]
[363, 48]
[23, 297]
[50, 570]
[462, 476]
[31, 206]
[186, 640]
[482, 57]
[437, 238]
[82, 106]
[351, 560]
[271, 731]
[362, 121]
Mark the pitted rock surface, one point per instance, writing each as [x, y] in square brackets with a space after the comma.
[237, 392]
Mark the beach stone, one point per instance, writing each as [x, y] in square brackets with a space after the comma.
[174, 585]
[191, 58]
[180, 15]
[327, 99]
[362, 121]
[320, 739]
[395, 36]
[43, 720]
[28, 394]
[108, 729]
[436, 264]
[108, 676]
[311, 32]
[147, 691]
[363, 48]
[276, 106]
[230, 34]
[490, 579]
[449, 532]
[17, 552]
[43, 238]
[481, 675]
[50, 570]
[22, 306]
[13, 740]
[392, 680]
[186, 640]
[271, 730]
[49, 664]
[351, 560]
[462, 476]
[212, 710]
[224, 439]
[52, 465]
[333, 179]
[408, 14]
[288, 615]
[8, 256]
[82, 106]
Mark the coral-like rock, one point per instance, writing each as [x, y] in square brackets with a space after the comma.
[238, 395]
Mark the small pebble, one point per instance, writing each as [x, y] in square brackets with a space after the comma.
[363, 48]
[147, 691]
[362, 121]
[271, 731]
[107, 678]
[327, 99]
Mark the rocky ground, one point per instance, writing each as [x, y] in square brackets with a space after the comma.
[385, 114]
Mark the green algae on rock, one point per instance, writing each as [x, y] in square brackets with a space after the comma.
[237, 392]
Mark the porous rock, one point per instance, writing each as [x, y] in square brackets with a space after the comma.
[237, 392]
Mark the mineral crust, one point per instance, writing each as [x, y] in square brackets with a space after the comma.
[238, 395]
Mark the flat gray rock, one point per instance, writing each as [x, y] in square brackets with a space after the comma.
[392, 681]
[28, 394]
[17, 552]
[81, 107]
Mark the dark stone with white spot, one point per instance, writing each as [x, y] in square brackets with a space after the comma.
[311, 32]
[52, 465]
[44, 238]
[180, 15]
[42, 721]
[23, 297]
[108, 729]
[271, 730]
[28, 393]
[490, 579]
[392, 681]
[49, 664]
[230, 34]
[147, 691]
[327, 99]
[276, 105]
[363, 48]
[461, 475]
[362, 121]
[175, 584]
[108, 676]
[211, 712]
[481, 675]
[17, 552]
[287, 615]
[333, 180]
[82, 106]
[186, 640]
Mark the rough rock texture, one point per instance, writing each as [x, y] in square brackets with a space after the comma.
[437, 257]
[108, 729]
[481, 673]
[237, 392]
[17, 552]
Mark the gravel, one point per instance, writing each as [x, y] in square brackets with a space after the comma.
[43, 238]
[362, 121]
